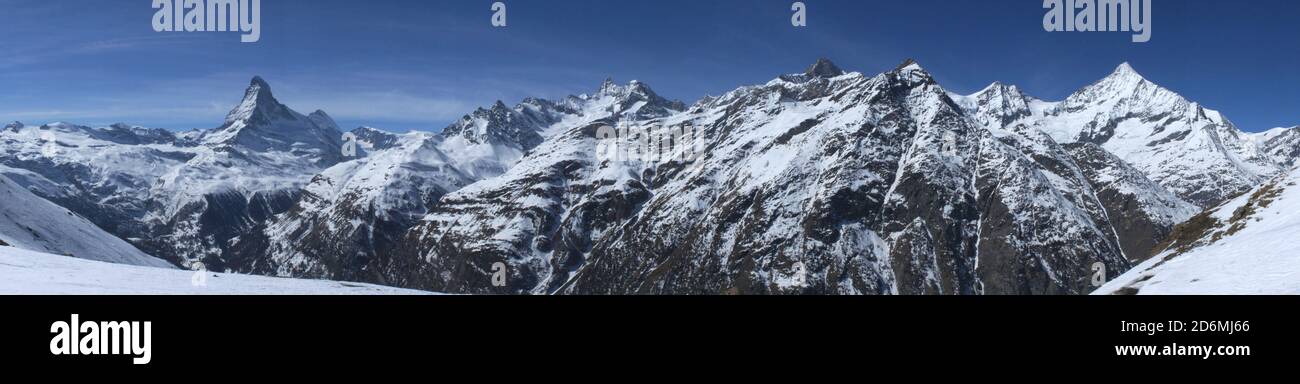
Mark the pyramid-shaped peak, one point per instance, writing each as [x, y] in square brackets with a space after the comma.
[823, 68]
[1125, 70]
[911, 71]
[258, 90]
[257, 100]
[1120, 82]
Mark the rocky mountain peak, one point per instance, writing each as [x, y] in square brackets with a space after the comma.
[608, 85]
[912, 72]
[823, 68]
[910, 62]
[636, 92]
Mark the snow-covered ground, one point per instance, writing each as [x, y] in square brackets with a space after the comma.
[33, 273]
[1250, 249]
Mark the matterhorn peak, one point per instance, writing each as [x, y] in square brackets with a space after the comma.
[258, 100]
[823, 68]
[258, 81]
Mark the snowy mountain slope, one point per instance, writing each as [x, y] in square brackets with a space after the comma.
[104, 174]
[1000, 106]
[33, 273]
[487, 142]
[820, 182]
[514, 200]
[1042, 222]
[350, 214]
[1244, 246]
[1142, 212]
[32, 223]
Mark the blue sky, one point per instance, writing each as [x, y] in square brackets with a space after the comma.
[420, 64]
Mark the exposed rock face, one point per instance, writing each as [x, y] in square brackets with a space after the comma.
[1143, 213]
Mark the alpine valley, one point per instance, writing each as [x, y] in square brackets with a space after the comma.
[821, 182]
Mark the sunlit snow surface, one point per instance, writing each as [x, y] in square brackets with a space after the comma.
[33, 273]
[1262, 258]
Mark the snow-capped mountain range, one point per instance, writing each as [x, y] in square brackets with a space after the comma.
[824, 181]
